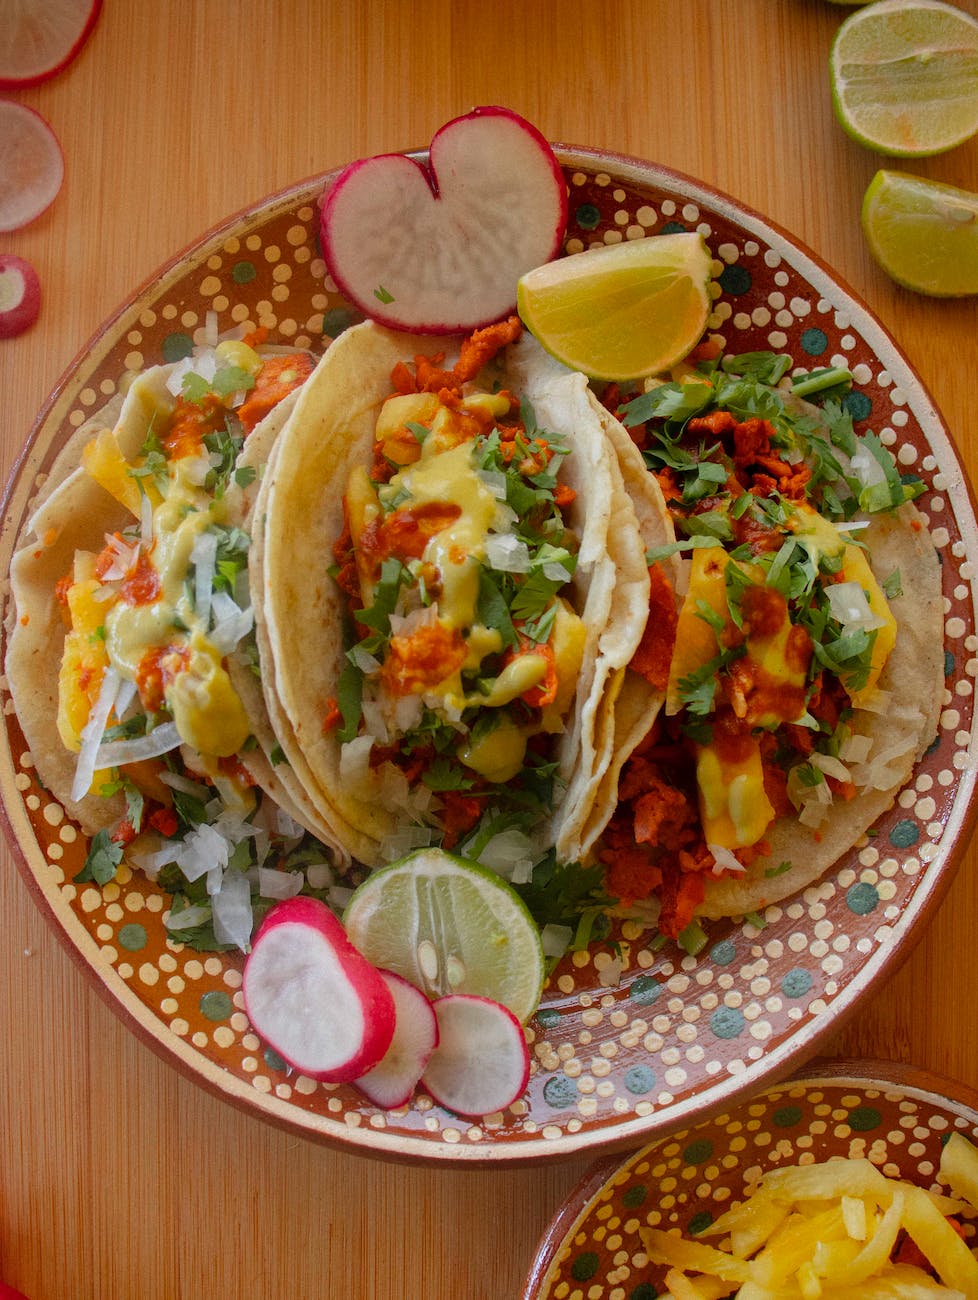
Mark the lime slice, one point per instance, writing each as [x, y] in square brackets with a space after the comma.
[622, 311]
[905, 76]
[924, 234]
[449, 926]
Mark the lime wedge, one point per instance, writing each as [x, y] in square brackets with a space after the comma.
[449, 926]
[905, 76]
[924, 234]
[622, 311]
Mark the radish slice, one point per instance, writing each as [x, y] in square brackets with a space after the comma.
[20, 295]
[391, 1083]
[439, 248]
[40, 37]
[313, 997]
[32, 166]
[482, 1063]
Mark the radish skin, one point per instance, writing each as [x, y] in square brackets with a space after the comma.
[437, 247]
[31, 165]
[20, 295]
[391, 1083]
[482, 1063]
[39, 38]
[313, 997]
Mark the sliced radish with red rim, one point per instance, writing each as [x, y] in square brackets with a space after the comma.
[40, 37]
[20, 295]
[438, 247]
[32, 165]
[312, 997]
[391, 1083]
[482, 1063]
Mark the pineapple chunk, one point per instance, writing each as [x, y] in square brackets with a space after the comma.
[83, 661]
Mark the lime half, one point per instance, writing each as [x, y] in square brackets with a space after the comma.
[905, 76]
[621, 311]
[924, 234]
[449, 926]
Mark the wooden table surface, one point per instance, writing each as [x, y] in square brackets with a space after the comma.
[119, 1178]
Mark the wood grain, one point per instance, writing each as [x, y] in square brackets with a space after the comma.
[119, 1179]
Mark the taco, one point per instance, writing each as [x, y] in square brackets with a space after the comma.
[803, 644]
[460, 672]
[130, 650]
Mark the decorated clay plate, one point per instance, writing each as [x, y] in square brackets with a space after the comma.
[616, 1059]
[896, 1116]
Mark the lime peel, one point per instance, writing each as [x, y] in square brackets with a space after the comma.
[621, 311]
[924, 234]
[448, 925]
[904, 75]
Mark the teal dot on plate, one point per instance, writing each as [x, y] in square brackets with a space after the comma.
[274, 1061]
[644, 1291]
[215, 1005]
[864, 1119]
[904, 834]
[584, 1267]
[723, 952]
[243, 272]
[796, 983]
[560, 1092]
[132, 937]
[639, 1079]
[644, 990]
[633, 1197]
[727, 1022]
[858, 405]
[948, 664]
[336, 321]
[814, 342]
[698, 1152]
[587, 216]
[735, 280]
[786, 1116]
[862, 897]
[548, 1017]
[672, 228]
[176, 346]
[700, 1222]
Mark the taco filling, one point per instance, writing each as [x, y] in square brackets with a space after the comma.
[781, 726]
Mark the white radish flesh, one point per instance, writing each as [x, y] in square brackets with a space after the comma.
[40, 37]
[481, 1064]
[313, 998]
[391, 1083]
[20, 295]
[31, 165]
[439, 248]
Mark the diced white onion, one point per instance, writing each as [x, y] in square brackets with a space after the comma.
[188, 918]
[724, 860]
[204, 849]
[319, 875]
[405, 624]
[355, 771]
[555, 939]
[204, 558]
[127, 693]
[339, 896]
[231, 623]
[511, 853]
[556, 572]
[866, 468]
[124, 558]
[850, 607]
[404, 840]
[92, 732]
[364, 660]
[507, 554]
[495, 481]
[278, 884]
[117, 753]
[233, 916]
[830, 766]
[855, 749]
[184, 784]
[211, 335]
[610, 975]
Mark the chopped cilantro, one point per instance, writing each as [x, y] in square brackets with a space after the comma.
[104, 855]
[382, 294]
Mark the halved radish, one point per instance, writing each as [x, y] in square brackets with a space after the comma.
[40, 37]
[438, 248]
[313, 997]
[482, 1063]
[20, 295]
[32, 165]
[393, 1080]
[8, 1293]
